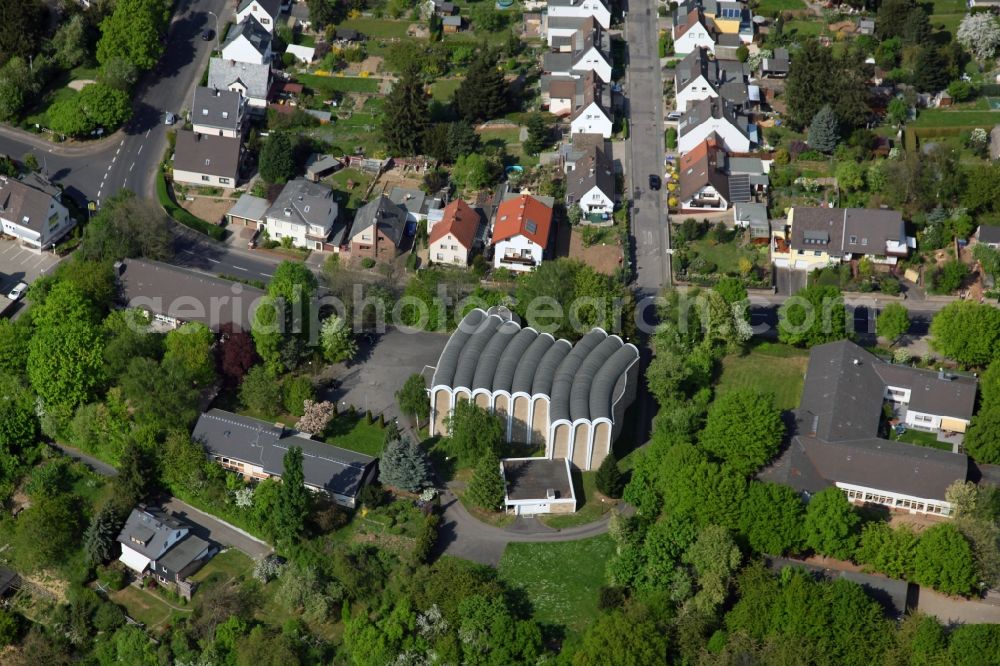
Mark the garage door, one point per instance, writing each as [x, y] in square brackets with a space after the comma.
[532, 509]
[781, 263]
[801, 265]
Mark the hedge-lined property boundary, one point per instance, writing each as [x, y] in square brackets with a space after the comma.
[181, 215]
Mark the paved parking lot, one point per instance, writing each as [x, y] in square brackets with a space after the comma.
[18, 264]
[370, 382]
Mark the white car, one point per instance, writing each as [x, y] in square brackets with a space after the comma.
[18, 291]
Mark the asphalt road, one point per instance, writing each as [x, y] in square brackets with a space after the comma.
[645, 100]
[195, 251]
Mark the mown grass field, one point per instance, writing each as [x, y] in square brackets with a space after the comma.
[768, 367]
[332, 84]
[726, 256]
[956, 118]
[770, 7]
[373, 27]
[560, 579]
[589, 506]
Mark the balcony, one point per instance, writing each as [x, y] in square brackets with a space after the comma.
[518, 261]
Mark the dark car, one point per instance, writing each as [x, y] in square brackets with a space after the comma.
[654, 182]
[207, 35]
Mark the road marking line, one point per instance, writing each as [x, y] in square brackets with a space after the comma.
[27, 260]
[122, 143]
[147, 134]
[268, 274]
[214, 261]
[139, 151]
[118, 151]
[240, 268]
[132, 167]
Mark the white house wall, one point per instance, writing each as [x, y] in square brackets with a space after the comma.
[898, 501]
[518, 245]
[258, 13]
[596, 201]
[694, 91]
[592, 120]
[206, 180]
[733, 139]
[589, 8]
[695, 38]
[242, 50]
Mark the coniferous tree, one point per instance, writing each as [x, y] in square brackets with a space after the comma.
[404, 465]
[538, 134]
[276, 163]
[823, 130]
[462, 139]
[483, 93]
[609, 479]
[930, 72]
[292, 507]
[100, 539]
[486, 490]
[406, 114]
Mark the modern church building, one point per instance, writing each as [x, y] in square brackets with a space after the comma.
[571, 398]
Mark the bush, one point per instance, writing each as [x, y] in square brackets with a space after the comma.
[295, 392]
[702, 265]
[373, 496]
[367, 262]
[181, 215]
[670, 138]
[113, 578]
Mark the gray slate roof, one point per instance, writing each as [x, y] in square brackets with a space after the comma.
[182, 554]
[215, 107]
[843, 230]
[413, 200]
[390, 218]
[836, 426]
[491, 351]
[304, 203]
[254, 32]
[151, 527]
[272, 7]
[224, 73]
[754, 214]
[249, 207]
[988, 233]
[207, 154]
[592, 170]
[177, 292]
[713, 107]
[250, 440]
[27, 202]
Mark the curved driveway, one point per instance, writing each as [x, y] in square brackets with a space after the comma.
[462, 535]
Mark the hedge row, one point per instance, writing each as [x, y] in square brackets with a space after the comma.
[181, 215]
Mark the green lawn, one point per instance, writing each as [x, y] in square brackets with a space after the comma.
[350, 198]
[956, 118]
[346, 134]
[804, 28]
[560, 579]
[500, 136]
[40, 116]
[142, 606]
[726, 256]
[224, 566]
[443, 89]
[331, 84]
[356, 434]
[373, 27]
[946, 22]
[588, 506]
[921, 438]
[772, 7]
[769, 367]
[949, 7]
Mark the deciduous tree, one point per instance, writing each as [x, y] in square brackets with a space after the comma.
[771, 518]
[337, 340]
[236, 354]
[412, 397]
[979, 33]
[132, 31]
[473, 431]
[189, 353]
[813, 316]
[106, 106]
[831, 524]
[893, 322]
[888, 551]
[982, 442]
[967, 332]
[609, 479]
[944, 561]
[48, 532]
[260, 392]
[486, 489]
[744, 428]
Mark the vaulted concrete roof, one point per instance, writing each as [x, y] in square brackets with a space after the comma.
[491, 351]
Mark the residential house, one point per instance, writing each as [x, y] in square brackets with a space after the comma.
[775, 67]
[218, 112]
[348, 35]
[172, 295]
[451, 24]
[700, 76]
[379, 230]
[250, 80]
[690, 30]
[256, 450]
[264, 11]
[580, 9]
[592, 114]
[250, 42]
[715, 115]
[559, 94]
[590, 184]
[588, 50]
[451, 238]
[748, 179]
[727, 46]
[816, 237]
[157, 544]
[306, 212]
[31, 210]
[989, 234]
[704, 185]
[836, 439]
[416, 204]
[752, 216]
[444, 7]
[207, 159]
[521, 232]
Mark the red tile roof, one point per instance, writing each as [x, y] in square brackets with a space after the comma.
[524, 215]
[459, 220]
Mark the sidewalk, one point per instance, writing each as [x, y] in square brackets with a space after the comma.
[68, 148]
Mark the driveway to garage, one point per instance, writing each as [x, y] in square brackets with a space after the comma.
[19, 264]
[789, 280]
[371, 380]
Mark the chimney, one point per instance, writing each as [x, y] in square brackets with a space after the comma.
[550, 493]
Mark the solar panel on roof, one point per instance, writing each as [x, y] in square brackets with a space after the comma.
[739, 188]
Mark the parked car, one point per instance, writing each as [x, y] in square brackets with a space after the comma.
[654, 181]
[169, 118]
[674, 115]
[207, 35]
[18, 291]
